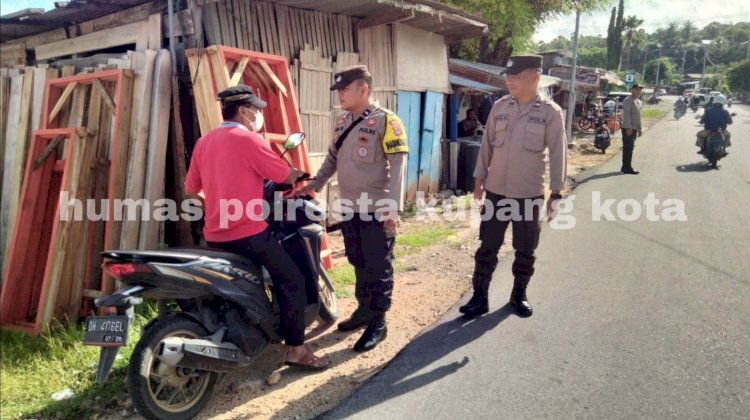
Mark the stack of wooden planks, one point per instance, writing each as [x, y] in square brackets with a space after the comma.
[276, 29]
[315, 75]
[377, 53]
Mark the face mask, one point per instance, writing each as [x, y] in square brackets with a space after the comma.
[257, 125]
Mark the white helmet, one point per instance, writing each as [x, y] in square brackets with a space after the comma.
[720, 99]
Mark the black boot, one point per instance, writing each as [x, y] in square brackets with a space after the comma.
[358, 319]
[518, 297]
[478, 304]
[375, 332]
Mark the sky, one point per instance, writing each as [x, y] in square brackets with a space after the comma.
[655, 14]
[10, 6]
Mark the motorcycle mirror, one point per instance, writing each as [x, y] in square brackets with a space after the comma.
[734, 114]
[294, 140]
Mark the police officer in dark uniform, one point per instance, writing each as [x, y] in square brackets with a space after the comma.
[368, 151]
[511, 169]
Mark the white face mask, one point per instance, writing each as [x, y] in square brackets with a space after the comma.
[257, 125]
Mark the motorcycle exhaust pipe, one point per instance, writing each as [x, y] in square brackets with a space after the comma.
[201, 354]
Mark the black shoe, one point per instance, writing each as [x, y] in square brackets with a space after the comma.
[518, 298]
[375, 332]
[477, 305]
[358, 319]
[630, 171]
[701, 152]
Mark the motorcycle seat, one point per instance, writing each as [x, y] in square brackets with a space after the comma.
[181, 255]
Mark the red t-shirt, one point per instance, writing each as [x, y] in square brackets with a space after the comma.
[229, 165]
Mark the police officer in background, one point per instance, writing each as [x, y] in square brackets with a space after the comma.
[631, 127]
[511, 169]
[368, 151]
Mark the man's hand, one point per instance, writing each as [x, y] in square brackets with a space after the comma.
[390, 221]
[640, 132]
[294, 174]
[478, 194]
[629, 131]
[306, 190]
[551, 209]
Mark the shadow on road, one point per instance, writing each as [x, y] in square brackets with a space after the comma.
[424, 350]
[694, 167]
[597, 176]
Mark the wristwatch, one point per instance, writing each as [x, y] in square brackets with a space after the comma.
[555, 196]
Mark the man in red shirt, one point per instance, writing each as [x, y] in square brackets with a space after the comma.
[229, 165]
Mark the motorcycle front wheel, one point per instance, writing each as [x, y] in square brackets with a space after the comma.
[329, 305]
[584, 124]
[160, 391]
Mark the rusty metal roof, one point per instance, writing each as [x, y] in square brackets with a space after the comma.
[34, 21]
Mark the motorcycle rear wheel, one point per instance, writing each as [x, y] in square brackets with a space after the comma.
[584, 124]
[159, 391]
[329, 305]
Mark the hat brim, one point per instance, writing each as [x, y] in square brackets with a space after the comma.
[258, 103]
[340, 85]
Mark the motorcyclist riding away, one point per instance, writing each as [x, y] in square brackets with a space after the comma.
[680, 105]
[715, 117]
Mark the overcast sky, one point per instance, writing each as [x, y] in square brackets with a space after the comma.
[655, 14]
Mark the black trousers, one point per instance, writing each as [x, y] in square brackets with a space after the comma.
[628, 144]
[288, 280]
[492, 234]
[369, 248]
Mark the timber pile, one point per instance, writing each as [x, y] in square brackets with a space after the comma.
[99, 137]
[315, 75]
[276, 29]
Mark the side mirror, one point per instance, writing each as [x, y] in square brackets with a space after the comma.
[734, 114]
[294, 140]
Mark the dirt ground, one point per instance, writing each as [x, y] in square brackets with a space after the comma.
[429, 283]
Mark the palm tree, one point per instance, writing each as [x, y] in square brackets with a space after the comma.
[688, 31]
[632, 36]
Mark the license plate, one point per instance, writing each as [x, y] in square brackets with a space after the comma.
[110, 331]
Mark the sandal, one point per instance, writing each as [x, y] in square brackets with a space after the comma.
[310, 362]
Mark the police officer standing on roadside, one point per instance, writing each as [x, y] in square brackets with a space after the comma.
[631, 127]
[511, 169]
[368, 151]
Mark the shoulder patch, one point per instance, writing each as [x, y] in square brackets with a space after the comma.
[394, 140]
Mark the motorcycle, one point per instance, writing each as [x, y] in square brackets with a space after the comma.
[589, 120]
[715, 147]
[678, 113]
[217, 311]
[602, 138]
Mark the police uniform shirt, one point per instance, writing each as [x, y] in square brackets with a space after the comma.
[511, 159]
[371, 158]
[631, 112]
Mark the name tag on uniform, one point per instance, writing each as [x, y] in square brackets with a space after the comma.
[503, 117]
[537, 120]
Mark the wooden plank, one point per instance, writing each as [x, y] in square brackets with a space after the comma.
[4, 102]
[194, 61]
[9, 163]
[212, 26]
[143, 64]
[236, 18]
[62, 101]
[108, 101]
[154, 32]
[75, 266]
[255, 26]
[118, 168]
[13, 54]
[158, 136]
[237, 75]
[121, 35]
[264, 65]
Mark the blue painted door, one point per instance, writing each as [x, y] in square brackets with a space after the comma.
[431, 143]
[410, 112]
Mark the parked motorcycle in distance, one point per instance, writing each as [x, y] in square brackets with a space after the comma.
[602, 137]
[217, 311]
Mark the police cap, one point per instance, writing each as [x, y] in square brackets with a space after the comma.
[519, 63]
[241, 95]
[346, 76]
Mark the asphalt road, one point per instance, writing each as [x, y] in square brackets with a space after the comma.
[633, 319]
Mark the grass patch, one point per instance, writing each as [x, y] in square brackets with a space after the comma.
[653, 113]
[33, 368]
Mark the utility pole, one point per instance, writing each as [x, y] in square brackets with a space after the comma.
[705, 42]
[658, 67]
[572, 93]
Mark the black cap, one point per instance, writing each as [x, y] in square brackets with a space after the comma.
[241, 95]
[346, 76]
[636, 86]
[520, 63]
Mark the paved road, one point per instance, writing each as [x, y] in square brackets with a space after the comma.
[633, 319]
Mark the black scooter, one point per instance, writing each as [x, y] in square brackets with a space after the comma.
[216, 310]
[602, 137]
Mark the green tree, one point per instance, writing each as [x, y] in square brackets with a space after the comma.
[512, 25]
[618, 35]
[593, 57]
[687, 33]
[737, 77]
[634, 38]
[611, 38]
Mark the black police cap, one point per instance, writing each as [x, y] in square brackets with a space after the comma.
[241, 95]
[346, 76]
[519, 63]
